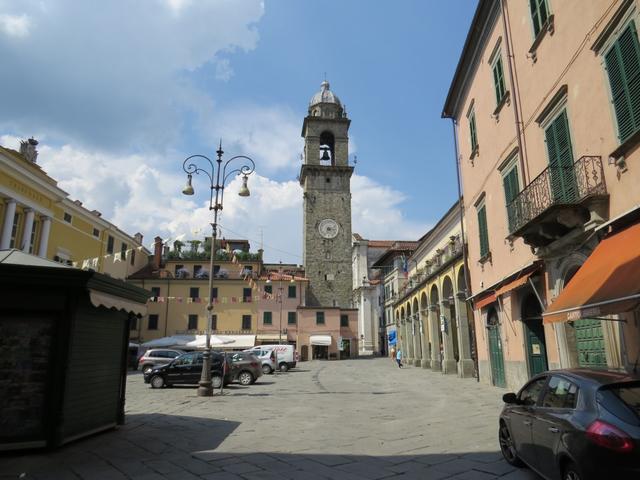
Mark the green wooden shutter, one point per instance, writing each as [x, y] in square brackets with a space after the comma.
[498, 79]
[484, 234]
[511, 190]
[623, 67]
[267, 318]
[535, 18]
[472, 130]
[562, 177]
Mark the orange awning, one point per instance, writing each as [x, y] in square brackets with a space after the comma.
[484, 301]
[607, 283]
[513, 284]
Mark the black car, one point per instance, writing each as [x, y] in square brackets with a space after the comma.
[187, 369]
[574, 424]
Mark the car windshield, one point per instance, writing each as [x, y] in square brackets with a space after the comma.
[623, 400]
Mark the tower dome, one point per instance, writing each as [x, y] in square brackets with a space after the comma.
[325, 95]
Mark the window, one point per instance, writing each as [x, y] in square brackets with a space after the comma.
[110, 242]
[266, 318]
[214, 293]
[539, 14]
[319, 318]
[133, 323]
[472, 132]
[622, 62]
[155, 292]
[292, 291]
[177, 269]
[194, 292]
[561, 393]
[292, 318]
[498, 80]
[193, 322]
[246, 295]
[14, 231]
[153, 322]
[562, 176]
[214, 322]
[483, 232]
[511, 185]
[32, 240]
[529, 394]
[197, 271]
[246, 322]
[67, 217]
[268, 289]
[123, 251]
[133, 257]
[96, 232]
[344, 320]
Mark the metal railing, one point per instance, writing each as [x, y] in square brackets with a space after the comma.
[557, 185]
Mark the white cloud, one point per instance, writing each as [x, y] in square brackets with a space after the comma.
[15, 25]
[224, 71]
[126, 87]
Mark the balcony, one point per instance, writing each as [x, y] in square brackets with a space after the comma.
[557, 201]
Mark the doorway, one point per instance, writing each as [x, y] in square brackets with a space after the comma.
[304, 353]
[346, 349]
[495, 349]
[534, 335]
[320, 352]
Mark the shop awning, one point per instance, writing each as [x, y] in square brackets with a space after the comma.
[102, 299]
[607, 283]
[484, 301]
[324, 340]
[513, 284]
[269, 337]
[240, 341]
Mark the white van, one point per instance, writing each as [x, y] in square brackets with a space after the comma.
[286, 356]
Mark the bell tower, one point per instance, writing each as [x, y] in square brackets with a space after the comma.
[325, 178]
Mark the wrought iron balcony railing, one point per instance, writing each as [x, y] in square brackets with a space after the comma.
[557, 185]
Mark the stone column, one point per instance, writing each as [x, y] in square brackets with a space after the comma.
[434, 325]
[417, 352]
[44, 237]
[7, 226]
[424, 337]
[407, 356]
[27, 229]
[449, 364]
[465, 364]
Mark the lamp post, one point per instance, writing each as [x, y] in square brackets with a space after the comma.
[219, 175]
[280, 293]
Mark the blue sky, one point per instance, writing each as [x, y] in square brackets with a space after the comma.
[119, 95]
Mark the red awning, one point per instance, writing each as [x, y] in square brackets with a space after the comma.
[607, 283]
[484, 301]
[513, 284]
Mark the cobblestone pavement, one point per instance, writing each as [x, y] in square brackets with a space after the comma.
[352, 419]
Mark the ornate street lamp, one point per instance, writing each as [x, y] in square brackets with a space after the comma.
[220, 175]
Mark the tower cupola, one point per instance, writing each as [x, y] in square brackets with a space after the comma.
[326, 104]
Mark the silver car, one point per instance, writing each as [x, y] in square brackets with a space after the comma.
[267, 357]
[157, 356]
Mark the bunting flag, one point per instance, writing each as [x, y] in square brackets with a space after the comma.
[189, 300]
[160, 299]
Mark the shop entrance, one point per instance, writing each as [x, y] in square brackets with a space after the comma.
[346, 349]
[534, 335]
[320, 352]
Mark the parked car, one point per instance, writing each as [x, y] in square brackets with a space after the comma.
[267, 357]
[574, 425]
[187, 370]
[157, 356]
[286, 356]
[246, 368]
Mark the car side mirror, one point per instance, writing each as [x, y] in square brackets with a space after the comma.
[510, 398]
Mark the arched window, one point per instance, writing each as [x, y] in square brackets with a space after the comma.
[327, 148]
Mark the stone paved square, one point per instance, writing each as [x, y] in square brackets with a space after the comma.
[352, 419]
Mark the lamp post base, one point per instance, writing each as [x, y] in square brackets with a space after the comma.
[205, 386]
[205, 389]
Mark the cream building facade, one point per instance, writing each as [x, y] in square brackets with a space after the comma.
[545, 114]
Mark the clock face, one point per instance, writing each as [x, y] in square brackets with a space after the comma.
[328, 228]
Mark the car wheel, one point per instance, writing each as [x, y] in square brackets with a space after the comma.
[157, 381]
[245, 378]
[507, 446]
[147, 368]
[266, 369]
[216, 381]
[571, 472]
[284, 367]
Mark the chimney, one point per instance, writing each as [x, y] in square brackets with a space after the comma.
[96, 213]
[138, 238]
[157, 253]
[28, 149]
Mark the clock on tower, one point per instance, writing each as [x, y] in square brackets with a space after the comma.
[325, 177]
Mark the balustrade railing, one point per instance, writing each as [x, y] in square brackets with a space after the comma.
[557, 185]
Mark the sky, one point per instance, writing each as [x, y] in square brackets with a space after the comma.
[119, 93]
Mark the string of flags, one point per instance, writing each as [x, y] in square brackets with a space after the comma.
[117, 257]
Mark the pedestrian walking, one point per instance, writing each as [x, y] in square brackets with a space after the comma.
[393, 353]
[399, 357]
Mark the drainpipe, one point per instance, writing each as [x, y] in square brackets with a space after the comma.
[465, 259]
[516, 94]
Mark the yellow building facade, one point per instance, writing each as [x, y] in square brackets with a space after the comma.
[38, 217]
